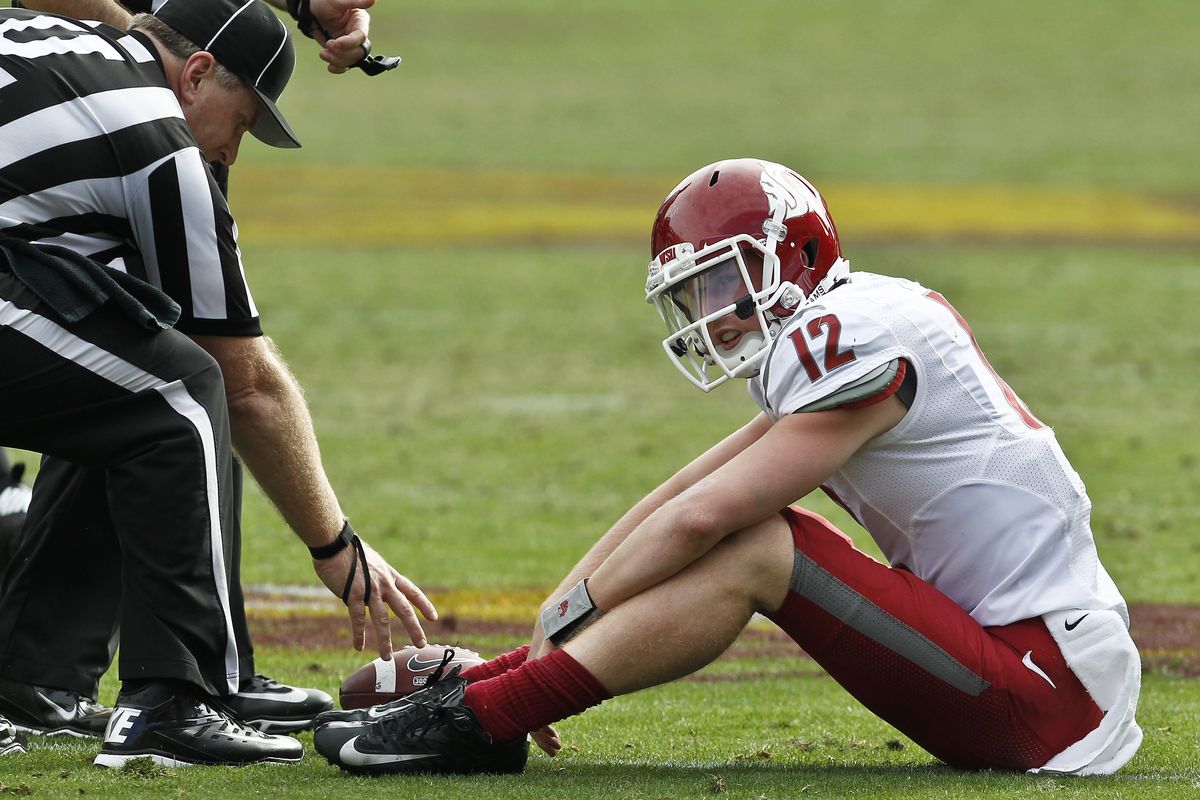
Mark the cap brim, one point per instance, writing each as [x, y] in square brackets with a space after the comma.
[271, 127]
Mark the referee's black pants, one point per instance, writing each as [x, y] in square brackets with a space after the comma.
[133, 516]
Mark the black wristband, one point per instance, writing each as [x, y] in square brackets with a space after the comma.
[336, 546]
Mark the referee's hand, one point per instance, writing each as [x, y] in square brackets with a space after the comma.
[389, 590]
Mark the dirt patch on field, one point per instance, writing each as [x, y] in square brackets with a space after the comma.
[1168, 636]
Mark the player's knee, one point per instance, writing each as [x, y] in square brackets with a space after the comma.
[759, 559]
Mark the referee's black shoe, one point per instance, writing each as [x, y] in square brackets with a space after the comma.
[436, 733]
[11, 740]
[175, 726]
[274, 707]
[51, 712]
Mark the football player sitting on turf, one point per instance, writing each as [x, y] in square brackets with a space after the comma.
[995, 639]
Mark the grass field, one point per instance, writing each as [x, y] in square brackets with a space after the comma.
[453, 265]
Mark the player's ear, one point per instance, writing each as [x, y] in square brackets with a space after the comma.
[198, 68]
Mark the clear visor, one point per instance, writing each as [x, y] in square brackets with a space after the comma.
[713, 306]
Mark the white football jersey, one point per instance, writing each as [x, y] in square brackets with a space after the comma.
[970, 491]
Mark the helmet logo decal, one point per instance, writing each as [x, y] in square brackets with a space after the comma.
[789, 195]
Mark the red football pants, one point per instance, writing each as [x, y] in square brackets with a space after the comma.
[974, 697]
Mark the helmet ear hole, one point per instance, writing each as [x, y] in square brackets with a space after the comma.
[810, 251]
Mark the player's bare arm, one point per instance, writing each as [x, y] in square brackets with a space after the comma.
[694, 471]
[273, 433]
[786, 463]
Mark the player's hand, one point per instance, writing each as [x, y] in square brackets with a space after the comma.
[348, 25]
[389, 591]
[547, 739]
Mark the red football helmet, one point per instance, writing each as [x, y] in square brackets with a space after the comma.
[744, 237]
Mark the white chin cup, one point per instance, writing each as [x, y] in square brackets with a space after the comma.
[736, 359]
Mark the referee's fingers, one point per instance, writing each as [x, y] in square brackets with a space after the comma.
[381, 622]
[416, 597]
[358, 618]
[407, 616]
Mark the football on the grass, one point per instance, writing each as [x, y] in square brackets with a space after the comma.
[382, 681]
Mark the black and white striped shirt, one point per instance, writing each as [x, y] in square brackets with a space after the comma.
[95, 155]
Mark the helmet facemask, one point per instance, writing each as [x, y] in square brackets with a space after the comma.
[737, 277]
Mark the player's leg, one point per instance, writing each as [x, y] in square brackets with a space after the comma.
[680, 625]
[965, 693]
[668, 631]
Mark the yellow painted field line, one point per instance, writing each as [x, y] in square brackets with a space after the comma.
[320, 205]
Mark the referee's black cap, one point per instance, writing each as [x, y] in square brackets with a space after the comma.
[248, 39]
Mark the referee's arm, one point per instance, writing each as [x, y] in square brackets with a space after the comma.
[273, 434]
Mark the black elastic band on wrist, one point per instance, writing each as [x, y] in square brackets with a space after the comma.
[362, 557]
[336, 546]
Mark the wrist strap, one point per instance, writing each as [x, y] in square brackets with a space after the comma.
[336, 546]
[362, 557]
[570, 614]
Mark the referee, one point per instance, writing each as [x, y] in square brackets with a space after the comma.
[125, 322]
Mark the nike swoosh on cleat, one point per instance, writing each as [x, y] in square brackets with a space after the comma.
[65, 714]
[1072, 625]
[292, 695]
[349, 754]
[377, 712]
[1027, 660]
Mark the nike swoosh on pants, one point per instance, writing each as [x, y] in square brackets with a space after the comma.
[1027, 660]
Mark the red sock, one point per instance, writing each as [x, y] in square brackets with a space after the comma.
[536, 694]
[497, 666]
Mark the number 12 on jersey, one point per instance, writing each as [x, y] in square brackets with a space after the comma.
[829, 328]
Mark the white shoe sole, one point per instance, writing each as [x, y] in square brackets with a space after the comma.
[56, 732]
[118, 761]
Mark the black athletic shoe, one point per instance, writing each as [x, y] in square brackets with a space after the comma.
[176, 727]
[362, 718]
[51, 712]
[436, 733]
[11, 740]
[335, 728]
[273, 707]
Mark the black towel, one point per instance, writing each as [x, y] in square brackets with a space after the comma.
[75, 285]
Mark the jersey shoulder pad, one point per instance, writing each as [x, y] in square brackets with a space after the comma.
[838, 351]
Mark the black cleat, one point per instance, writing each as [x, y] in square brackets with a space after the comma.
[362, 718]
[11, 740]
[436, 733]
[273, 707]
[51, 712]
[175, 726]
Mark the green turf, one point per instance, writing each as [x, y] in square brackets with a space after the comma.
[880, 90]
[792, 734]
